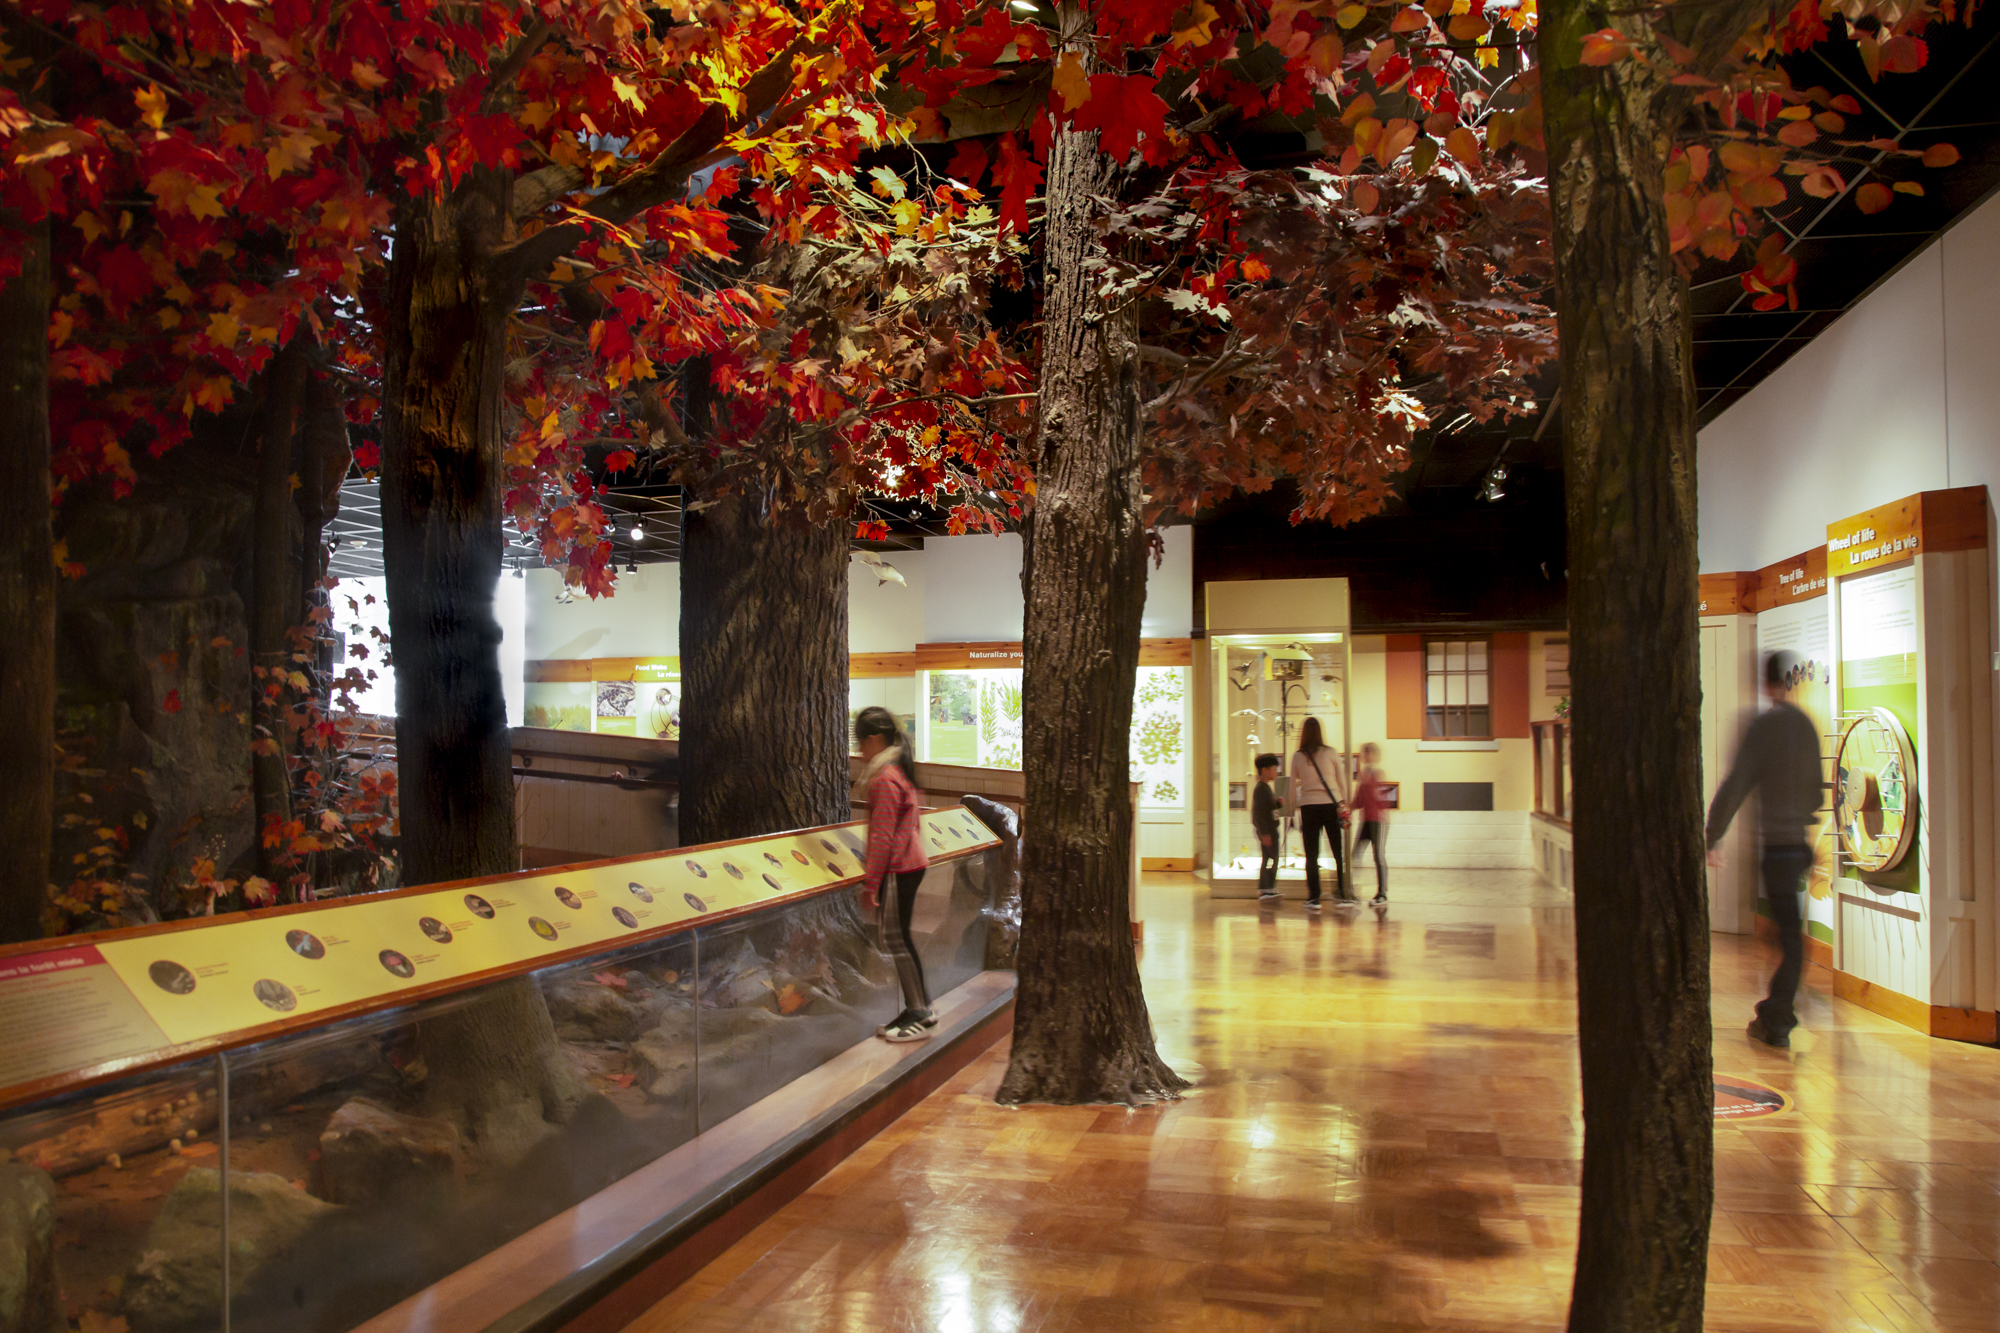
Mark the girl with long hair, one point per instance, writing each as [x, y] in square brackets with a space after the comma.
[895, 863]
[1315, 794]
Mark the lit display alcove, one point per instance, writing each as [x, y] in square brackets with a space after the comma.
[1280, 651]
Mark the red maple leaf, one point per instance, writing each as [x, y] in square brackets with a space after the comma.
[1123, 107]
[1018, 175]
[172, 703]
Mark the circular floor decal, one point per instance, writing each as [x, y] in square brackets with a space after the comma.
[1738, 1098]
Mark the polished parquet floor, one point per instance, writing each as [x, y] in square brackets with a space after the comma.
[1384, 1136]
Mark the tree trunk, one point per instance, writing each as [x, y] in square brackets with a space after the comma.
[495, 1067]
[763, 673]
[1081, 1032]
[442, 541]
[27, 595]
[277, 606]
[1641, 902]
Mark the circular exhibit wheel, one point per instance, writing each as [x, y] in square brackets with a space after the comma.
[1875, 808]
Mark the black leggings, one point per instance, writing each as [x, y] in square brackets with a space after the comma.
[1313, 818]
[892, 923]
[1372, 832]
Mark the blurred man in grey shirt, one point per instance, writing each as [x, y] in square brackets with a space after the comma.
[1780, 761]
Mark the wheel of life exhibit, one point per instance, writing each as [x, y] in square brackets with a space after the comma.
[1875, 778]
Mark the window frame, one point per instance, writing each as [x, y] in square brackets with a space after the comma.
[1466, 674]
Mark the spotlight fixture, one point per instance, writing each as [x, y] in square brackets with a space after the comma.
[638, 533]
[1496, 483]
[631, 566]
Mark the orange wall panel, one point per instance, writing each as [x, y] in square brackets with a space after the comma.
[1405, 676]
[1510, 685]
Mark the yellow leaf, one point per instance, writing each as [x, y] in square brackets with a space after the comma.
[1350, 15]
[1198, 32]
[223, 328]
[1070, 82]
[1325, 55]
[152, 105]
[1908, 187]
[628, 94]
[291, 153]
[907, 215]
[364, 73]
[205, 201]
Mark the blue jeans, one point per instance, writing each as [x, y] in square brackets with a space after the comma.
[1784, 876]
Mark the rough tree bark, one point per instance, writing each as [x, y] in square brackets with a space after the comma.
[763, 673]
[1629, 455]
[495, 1066]
[1081, 1031]
[27, 595]
[276, 607]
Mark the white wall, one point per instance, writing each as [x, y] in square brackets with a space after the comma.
[641, 619]
[955, 590]
[886, 617]
[1900, 395]
[972, 589]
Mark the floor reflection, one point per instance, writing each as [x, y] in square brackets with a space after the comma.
[1385, 1136]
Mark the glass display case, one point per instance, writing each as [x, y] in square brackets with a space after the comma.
[1280, 651]
[392, 1087]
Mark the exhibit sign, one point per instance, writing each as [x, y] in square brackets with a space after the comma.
[1802, 627]
[130, 994]
[637, 696]
[1878, 671]
[1928, 523]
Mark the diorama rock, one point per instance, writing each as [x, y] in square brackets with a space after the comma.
[662, 1061]
[369, 1153]
[588, 1010]
[30, 1295]
[177, 1283]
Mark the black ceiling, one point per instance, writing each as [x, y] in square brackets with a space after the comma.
[1843, 253]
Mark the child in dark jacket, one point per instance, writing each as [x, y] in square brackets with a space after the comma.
[1264, 818]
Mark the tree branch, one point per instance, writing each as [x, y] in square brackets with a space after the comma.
[503, 74]
[700, 145]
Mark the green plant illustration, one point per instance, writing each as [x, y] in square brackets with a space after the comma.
[1158, 685]
[989, 714]
[1159, 739]
[1165, 792]
[1010, 702]
[1005, 756]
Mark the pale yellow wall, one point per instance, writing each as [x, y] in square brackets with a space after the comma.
[1511, 768]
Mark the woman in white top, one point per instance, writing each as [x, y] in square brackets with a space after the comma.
[1317, 789]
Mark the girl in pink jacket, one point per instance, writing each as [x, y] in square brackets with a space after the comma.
[895, 863]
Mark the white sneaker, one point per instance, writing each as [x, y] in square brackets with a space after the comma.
[909, 1029]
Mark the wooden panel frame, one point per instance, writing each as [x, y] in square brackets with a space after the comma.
[1799, 579]
[1927, 523]
[880, 666]
[1733, 594]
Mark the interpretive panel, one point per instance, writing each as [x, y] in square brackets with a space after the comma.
[1878, 666]
[64, 1009]
[76, 1009]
